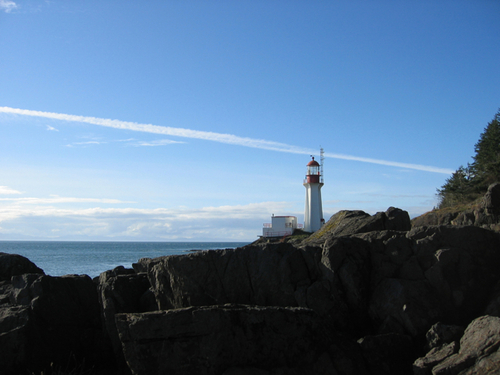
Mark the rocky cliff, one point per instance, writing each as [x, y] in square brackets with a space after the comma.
[484, 213]
[365, 295]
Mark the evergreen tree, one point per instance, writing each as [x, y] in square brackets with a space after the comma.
[467, 184]
[458, 188]
[486, 164]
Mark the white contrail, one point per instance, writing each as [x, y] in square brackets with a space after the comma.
[211, 136]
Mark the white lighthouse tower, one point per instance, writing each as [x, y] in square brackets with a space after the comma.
[313, 214]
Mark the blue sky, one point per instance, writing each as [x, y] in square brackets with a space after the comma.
[217, 106]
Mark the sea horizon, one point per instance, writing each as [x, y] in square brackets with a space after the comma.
[58, 258]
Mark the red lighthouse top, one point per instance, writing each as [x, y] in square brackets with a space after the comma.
[313, 163]
[313, 172]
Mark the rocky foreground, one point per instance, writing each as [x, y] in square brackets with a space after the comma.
[366, 295]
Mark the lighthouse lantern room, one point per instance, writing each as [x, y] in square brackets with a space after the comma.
[313, 213]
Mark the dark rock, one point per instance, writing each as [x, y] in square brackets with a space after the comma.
[467, 217]
[460, 263]
[493, 307]
[485, 214]
[21, 293]
[363, 276]
[64, 320]
[478, 352]
[120, 270]
[441, 334]
[442, 342]
[5, 292]
[16, 340]
[352, 222]
[406, 306]
[234, 339]
[346, 264]
[121, 291]
[13, 265]
[397, 219]
[388, 354]
[144, 264]
[491, 200]
[390, 281]
[274, 275]
[424, 365]
[406, 281]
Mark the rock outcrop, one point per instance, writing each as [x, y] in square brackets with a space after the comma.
[476, 352]
[232, 339]
[485, 213]
[51, 320]
[13, 265]
[365, 295]
[121, 290]
[345, 223]
[491, 200]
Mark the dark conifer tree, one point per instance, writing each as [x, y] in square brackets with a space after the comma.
[458, 188]
[468, 183]
[486, 164]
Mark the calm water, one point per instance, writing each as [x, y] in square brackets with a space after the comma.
[92, 258]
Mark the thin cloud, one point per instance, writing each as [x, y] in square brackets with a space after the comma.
[88, 143]
[5, 190]
[51, 128]
[211, 223]
[215, 137]
[253, 210]
[160, 142]
[57, 199]
[85, 143]
[7, 6]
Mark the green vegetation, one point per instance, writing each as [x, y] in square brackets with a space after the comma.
[330, 225]
[469, 183]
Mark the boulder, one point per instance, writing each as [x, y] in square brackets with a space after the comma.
[144, 264]
[16, 340]
[404, 306]
[493, 307]
[461, 266]
[13, 265]
[441, 334]
[64, 323]
[424, 365]
[406, 281]
[272, 275]
[235, 339]
[346, 264]
[5, 291]
[122, 291]
[352, 222]
[388, 354]
[478, 353]
[491, 200]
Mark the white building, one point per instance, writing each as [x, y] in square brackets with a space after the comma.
[280, 226]
[313, 213]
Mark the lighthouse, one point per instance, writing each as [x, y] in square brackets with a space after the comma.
[313, 214]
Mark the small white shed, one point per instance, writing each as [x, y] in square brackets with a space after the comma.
[280, 226]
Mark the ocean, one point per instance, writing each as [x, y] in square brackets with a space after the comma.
[58, 258]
